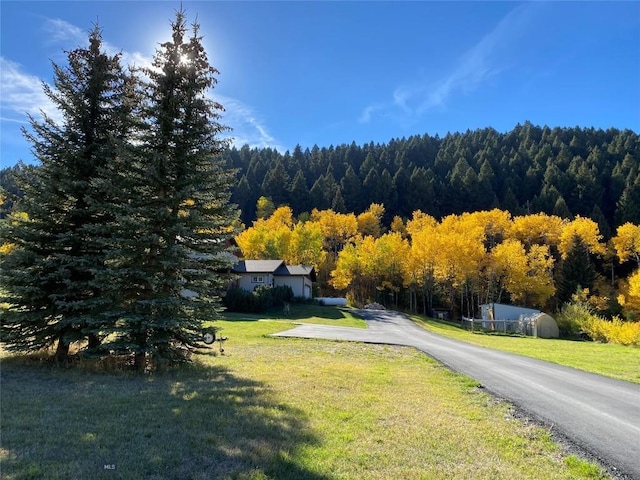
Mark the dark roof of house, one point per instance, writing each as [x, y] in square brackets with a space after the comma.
[276, 267]
[304, 270]
[257, 266]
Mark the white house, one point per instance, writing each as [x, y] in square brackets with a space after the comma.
[275, 273]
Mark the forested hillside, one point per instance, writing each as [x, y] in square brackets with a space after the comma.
[531, 169]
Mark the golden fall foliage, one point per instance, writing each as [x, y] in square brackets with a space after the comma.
[587, 230]
[370, 221]
[629, 297]
[536, 229]
[484, 255]
[627, 242]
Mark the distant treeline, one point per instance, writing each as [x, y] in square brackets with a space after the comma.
[560, 171]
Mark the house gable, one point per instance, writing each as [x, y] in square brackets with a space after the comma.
[275, 273]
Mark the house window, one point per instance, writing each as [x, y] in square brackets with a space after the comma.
[257, 279]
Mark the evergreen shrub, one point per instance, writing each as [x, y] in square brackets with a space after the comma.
[258, 301]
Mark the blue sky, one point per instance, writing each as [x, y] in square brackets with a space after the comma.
[328, 73]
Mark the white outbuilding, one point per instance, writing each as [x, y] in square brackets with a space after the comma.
[515, 319]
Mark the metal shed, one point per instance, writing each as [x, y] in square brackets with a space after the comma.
[515, 319]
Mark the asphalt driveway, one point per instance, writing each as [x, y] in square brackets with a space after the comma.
[599, 414]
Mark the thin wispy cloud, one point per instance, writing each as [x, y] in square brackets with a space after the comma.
[490, 56]
[248, 128]
[60, 32]
[13, 120]
[69, 36]
[368, 112]
[22, 93]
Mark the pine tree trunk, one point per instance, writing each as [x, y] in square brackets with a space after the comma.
[94, 342]
[62, 351]
[139, 362]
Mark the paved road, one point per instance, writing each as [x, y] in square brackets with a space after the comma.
[599, 414]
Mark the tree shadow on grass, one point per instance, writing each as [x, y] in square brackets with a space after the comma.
[296, 312]
[191, 423]
[299, 312]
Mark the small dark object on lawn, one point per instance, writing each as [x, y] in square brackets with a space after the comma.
[222, 340]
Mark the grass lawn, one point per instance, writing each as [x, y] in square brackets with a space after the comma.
[270, 408]
[301, 313]
[615, 361]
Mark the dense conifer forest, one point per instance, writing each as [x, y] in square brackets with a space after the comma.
[562, 171]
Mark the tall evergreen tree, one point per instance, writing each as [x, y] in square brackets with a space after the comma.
[576, 271]
[628, 207]
[50, 278]
[245, 199]
[178, 215]
[276, 184]
[420, 193]
[300, 193]
[337, 205]
[561, 209]
[319, 194]
[351, 187]
[401, 181]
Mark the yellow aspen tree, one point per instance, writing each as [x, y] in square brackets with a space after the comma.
[629, 297]
[370, 268]
[391, 252]
[536, 229]
[525, 275]
[306, 245]
[460, 241]
[268, 238]
[347, 267]
[264, 207]
[420, 221]
[509, 267]
[349, 272]
[496, 224]
[421, 260]
[337, 228]
[370, 221]
[282, 216]
[627, 242]
[539, 286]
[252, 242]
[397, 225]
[587, 230]
[277, 241]
[419, 271]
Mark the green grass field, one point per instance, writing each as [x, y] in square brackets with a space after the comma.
[270, 408]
